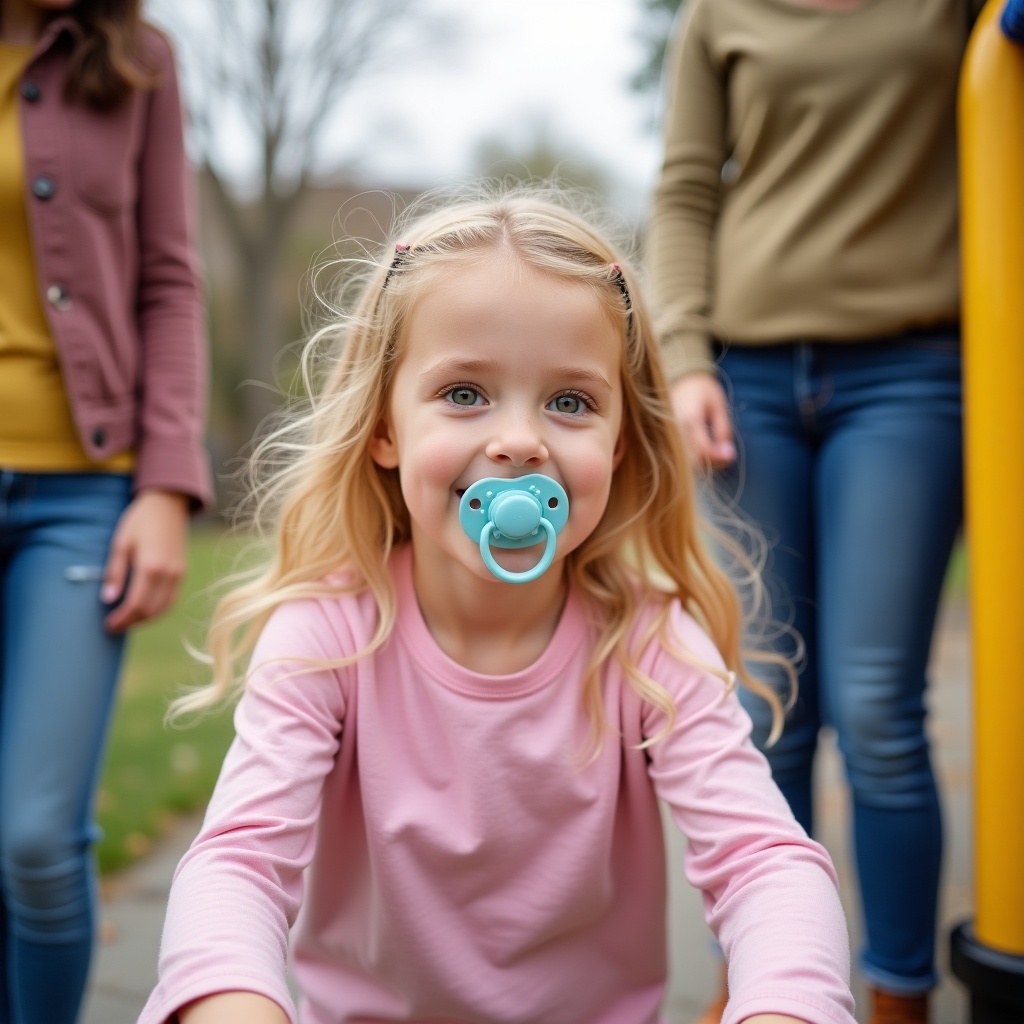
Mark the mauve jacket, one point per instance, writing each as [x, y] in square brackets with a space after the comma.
[109, 204]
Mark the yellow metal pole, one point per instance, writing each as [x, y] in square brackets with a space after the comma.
[988, 954]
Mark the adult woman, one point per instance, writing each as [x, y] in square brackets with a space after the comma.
[101, 390]
[803, 250]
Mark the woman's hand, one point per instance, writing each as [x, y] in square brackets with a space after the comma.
[702, 412]
[147, 555]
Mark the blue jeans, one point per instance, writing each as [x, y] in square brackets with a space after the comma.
[850, 461]
[59, 673]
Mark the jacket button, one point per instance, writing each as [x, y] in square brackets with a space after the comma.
[57, 296]
[43, 187]
[99, 437]
[31, 92]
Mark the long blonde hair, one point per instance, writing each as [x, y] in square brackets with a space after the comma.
[327, 505]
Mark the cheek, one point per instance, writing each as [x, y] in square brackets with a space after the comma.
[436, 460]
[592, 477]
[594, 461]
[589, 479]
[430, 466]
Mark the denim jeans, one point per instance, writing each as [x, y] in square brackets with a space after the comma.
[850, 461]
[59, 672]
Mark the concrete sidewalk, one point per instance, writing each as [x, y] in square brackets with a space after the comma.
[125, 969]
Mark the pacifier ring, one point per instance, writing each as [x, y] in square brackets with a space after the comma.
[528, 574]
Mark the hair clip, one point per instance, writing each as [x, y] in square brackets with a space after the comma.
[401, 254]
[619, 280]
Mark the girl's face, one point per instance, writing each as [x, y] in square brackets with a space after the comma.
[505, 371]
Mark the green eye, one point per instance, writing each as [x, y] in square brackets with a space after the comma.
[569, 404]
[464, 396]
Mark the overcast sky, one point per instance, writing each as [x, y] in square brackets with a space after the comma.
[507, 70]
[517, 65]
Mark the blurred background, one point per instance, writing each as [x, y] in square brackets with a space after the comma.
[313, 121]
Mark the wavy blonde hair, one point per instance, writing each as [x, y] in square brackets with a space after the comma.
[326, 505]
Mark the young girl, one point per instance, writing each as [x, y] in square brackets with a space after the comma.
[454, 770]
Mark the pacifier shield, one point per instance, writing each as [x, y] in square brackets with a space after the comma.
[512, 505]
[516, 513]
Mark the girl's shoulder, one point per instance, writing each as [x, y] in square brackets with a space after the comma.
[664, 629]
[331, 617]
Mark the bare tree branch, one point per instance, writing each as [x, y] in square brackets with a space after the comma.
[241, 237]
[264, 78]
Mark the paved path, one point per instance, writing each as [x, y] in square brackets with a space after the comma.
[125, 970]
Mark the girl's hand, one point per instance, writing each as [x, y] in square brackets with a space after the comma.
[702, 412]
[147, 555]
[234, 1008]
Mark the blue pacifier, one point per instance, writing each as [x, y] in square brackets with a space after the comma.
[515, 514]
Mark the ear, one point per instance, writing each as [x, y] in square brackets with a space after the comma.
[620, 450]
[383, 447]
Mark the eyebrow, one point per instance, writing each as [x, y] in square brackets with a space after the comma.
[446, 367]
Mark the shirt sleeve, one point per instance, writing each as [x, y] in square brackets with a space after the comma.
[686, 198]
[770, 892]
[169, 313]
[238, 889]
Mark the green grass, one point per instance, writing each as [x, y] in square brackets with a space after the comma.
[956, 575]
[155, 772]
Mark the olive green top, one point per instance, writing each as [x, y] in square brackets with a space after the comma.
[809, 181]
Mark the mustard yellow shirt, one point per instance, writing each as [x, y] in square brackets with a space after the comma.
[37, 432]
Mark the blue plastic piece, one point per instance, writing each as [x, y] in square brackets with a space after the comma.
[515, 513]
[1012, 20]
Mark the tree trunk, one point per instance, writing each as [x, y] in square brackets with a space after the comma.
[262, 336]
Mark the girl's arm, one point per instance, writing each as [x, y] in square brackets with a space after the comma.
[770, 892]
[772, 1018]
[238, 889]
[237, 1008]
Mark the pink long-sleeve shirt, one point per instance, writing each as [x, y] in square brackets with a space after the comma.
[454, 860]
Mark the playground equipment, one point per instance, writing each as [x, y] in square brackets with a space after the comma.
[987, 953]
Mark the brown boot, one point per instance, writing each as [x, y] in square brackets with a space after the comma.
[887, 1008]
[713, 1011]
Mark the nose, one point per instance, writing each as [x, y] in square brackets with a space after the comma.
[517, 442]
